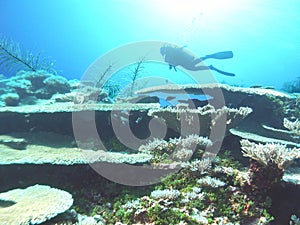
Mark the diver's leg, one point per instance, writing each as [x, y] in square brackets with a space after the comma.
[196, 68]
[221, 71]
[211, 67]
[198, 60]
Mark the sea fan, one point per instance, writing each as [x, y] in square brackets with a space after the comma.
[13, 58]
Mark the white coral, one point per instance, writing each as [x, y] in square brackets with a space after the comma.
[183, 154]
[270, 153]
[194, 194]
[132, 205]
[165, 194]
[211, 182]
[182, 148]
[191, 141]
[197, 165]
[156, 143]
[294, 220]
[294, 127]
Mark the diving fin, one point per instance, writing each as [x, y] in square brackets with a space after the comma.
[221, 72]
[219, 55]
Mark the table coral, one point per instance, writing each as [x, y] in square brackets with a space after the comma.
[34, 205]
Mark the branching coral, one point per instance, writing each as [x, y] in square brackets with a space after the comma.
[177, 149]
[189, 142]
[187, 198]
[196, 193]
[200, 166]
[165, 194]
[294, 127]
[207, 118]
[270, 153]
[13, 58]
[267, 165]
[210, 182]
[294, 220]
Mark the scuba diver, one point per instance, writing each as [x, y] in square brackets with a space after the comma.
[175, 56]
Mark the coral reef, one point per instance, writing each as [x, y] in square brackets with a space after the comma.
[176, 149]
[185, 199]
[197, 165]
[165, 194]
[210, 182]
[13, 142]
[34, 205]
[292, 86]
[267, 165]
[294, 220]
[38, 84]
[207, 116]
[11, 99]
[261, 136]
[292, 175]
[269, 107]
[294, 127]
[47, 88]
[270, 153]
[37, 137]
[56, 84]
[40, 149]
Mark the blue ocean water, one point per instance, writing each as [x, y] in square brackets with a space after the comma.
[263, 35]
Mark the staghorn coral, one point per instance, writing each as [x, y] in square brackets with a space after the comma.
[294, 127]
[207, 117]
[294, 220]
[165, 194]
[155, 144]
[210, 182]
[270, 153]
[267, 165]
[239, 177]
[179, 199]
[191, 141]
[200, 166]
[195, 194]
[176, 149]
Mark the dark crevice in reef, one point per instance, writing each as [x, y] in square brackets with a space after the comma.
[22, 176]
[285, 202]
[68, 177]
[87, 187]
